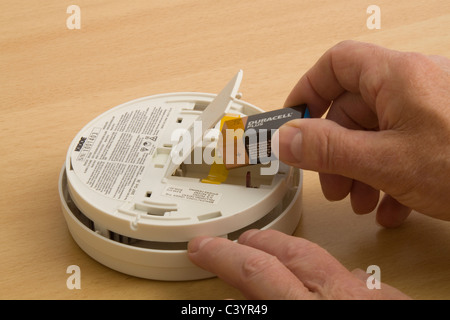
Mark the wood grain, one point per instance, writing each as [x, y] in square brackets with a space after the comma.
[55, 80]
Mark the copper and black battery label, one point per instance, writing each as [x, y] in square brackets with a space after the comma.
[256, 132]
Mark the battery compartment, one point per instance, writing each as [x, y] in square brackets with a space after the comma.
[239, 176]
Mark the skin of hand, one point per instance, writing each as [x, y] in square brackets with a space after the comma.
[271, 265]
[388, 129]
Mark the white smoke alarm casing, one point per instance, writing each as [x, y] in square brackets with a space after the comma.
[130, 207]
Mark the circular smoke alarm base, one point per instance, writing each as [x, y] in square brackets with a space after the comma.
[160, 260]
[127, 204]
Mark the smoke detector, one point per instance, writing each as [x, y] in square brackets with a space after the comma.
[129, 205]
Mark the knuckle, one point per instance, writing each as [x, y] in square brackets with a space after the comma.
[344, 45]
[412, 66]
[327, 155]
[301, 250]
[256, 265]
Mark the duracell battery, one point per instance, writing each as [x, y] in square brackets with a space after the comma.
[248, 140]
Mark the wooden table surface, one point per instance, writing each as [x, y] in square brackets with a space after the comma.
[54, 80]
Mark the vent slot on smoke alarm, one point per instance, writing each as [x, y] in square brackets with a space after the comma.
[208, 216]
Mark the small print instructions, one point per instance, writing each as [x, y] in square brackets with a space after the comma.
[193, 194]
[110, 157]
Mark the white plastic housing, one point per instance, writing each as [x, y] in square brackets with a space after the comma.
[124, 211]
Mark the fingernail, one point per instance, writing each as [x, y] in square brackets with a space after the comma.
[197, 243]
[290, 143]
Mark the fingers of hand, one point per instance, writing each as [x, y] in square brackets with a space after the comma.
[325, 146]
[364, 198]
[335, 187]
[345, 67]
[314, 266]
[257, 274]
[272, 265]
[391, 213]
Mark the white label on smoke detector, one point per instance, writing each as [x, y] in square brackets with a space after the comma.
[192, 193]
[110, 156]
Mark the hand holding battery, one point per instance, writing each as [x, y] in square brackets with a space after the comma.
[388, 128]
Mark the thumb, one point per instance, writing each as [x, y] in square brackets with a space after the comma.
[324, 146]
